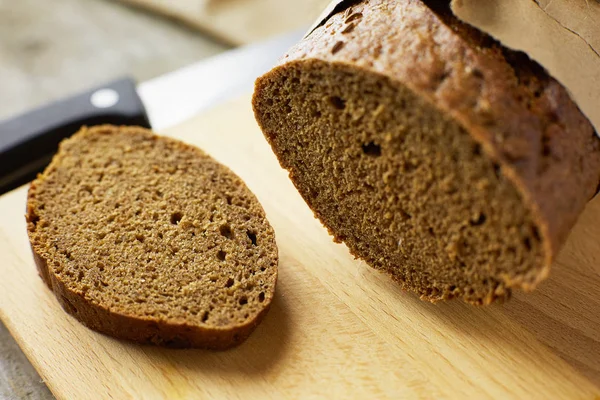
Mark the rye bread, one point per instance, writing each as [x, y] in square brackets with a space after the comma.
[149, 239]
[437, 155]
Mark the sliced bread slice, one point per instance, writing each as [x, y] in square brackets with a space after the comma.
[147, 238]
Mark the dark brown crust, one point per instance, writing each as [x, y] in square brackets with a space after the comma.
[139, 330]
[144, 330]
[539, 138]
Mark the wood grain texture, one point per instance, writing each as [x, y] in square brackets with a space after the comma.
[49, 50]
[337, 328]
[239, 21]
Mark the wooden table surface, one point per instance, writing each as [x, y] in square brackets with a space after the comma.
[239, 21]
[337, 328]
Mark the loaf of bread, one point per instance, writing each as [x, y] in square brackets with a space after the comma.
[146, 238]
[453, 164]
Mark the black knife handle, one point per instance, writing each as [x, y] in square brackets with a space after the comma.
[27, 142]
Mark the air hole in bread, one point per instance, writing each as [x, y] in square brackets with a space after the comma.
[536, 233]
[498, 171]
[443, 76]
[477, 73]
[226, 231]
[205, 316]
[243, 300]
[34, 218]
[337, 102]
[176, 217]
[221, 255]
[527, 243]
[371, 149]
[229, 283]
[252, 237]
[480, 220]
[261, 297]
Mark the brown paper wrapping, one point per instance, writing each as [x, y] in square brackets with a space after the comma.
[327, 12]
[561, 35]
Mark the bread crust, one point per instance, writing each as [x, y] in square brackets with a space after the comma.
[533, 131]
[140, 329]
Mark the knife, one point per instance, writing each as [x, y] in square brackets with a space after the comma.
[28, 141]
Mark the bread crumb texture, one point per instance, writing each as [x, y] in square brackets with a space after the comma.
[146, 238]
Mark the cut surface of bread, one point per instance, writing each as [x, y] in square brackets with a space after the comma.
[453, 164]
[147, 238]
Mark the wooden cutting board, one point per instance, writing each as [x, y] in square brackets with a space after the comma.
[337, 328]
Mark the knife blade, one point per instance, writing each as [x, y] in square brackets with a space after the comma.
[174, 97]
[28, 141]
